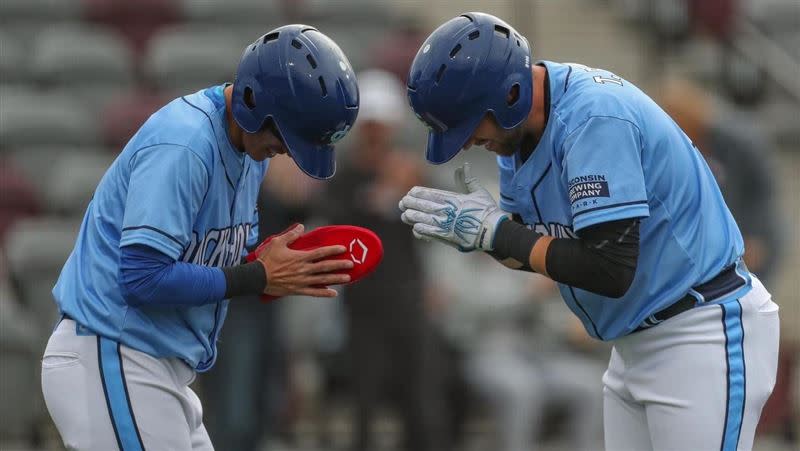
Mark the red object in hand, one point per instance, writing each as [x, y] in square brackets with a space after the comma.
[364, 248]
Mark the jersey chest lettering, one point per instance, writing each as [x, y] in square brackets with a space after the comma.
[219, 247]
[554, 229]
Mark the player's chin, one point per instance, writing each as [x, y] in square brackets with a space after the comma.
[502, 151]
[261, 155]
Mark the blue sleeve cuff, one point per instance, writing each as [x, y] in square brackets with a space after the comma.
[151, 238]
[616, 212]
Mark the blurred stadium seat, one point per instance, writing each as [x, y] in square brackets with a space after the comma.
[394, 50]
[773, 16]
[73, 180]
[352, 41]
[237, 12]
[19, 198]
[183, 60]
[34, 118]
[790, 41]
[36, 249]
[136, 21]
[123, 116]
[93, 62]
[715, 17]
[13, 58]
[20, 351]
[39, 10]
[36, 163]
[343, 12]
[671, 20]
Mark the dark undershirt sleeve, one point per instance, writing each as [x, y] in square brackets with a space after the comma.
[148, 277]
[603, 260]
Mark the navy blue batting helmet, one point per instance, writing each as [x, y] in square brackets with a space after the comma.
[301, 80]
[466, 68]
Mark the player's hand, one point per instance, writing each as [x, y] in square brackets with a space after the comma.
[305, 273]
[466, 221]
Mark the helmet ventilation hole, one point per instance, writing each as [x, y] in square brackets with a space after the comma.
[501, 31]
[440, 72]
[474, 35]
[323, 87]
[249, 99]
[271, 37]
[311, 61]
[513, 95]
[296, 44]
[455, 50]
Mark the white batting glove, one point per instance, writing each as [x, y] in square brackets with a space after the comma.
[466, 221]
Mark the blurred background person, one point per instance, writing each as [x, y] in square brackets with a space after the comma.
[248, 388]
[389, 337]
[742, 161]
[522, 354]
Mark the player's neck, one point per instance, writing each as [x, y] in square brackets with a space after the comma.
[234, 131]
[537, 118]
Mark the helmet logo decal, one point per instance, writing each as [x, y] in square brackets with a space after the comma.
[337, 136]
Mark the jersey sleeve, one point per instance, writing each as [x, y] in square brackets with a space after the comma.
[166, 188]
[603, 170]
[506, 167]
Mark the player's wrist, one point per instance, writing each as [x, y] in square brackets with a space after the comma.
[513, 240]
[491, 225]
[247, 279]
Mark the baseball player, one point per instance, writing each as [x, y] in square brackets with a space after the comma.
[603, 193]
[144, 293]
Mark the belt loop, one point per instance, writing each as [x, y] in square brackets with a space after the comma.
[699, 298]
[742, 271]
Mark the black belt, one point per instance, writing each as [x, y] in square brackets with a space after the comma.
[723, 283]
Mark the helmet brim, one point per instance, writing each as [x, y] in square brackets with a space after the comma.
[315, 160]
[443, 146]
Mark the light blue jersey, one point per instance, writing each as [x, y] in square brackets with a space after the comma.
[608, 153]
[179, 187]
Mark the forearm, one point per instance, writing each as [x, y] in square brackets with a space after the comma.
[603, 261]
[150, 278]
[574, 263]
